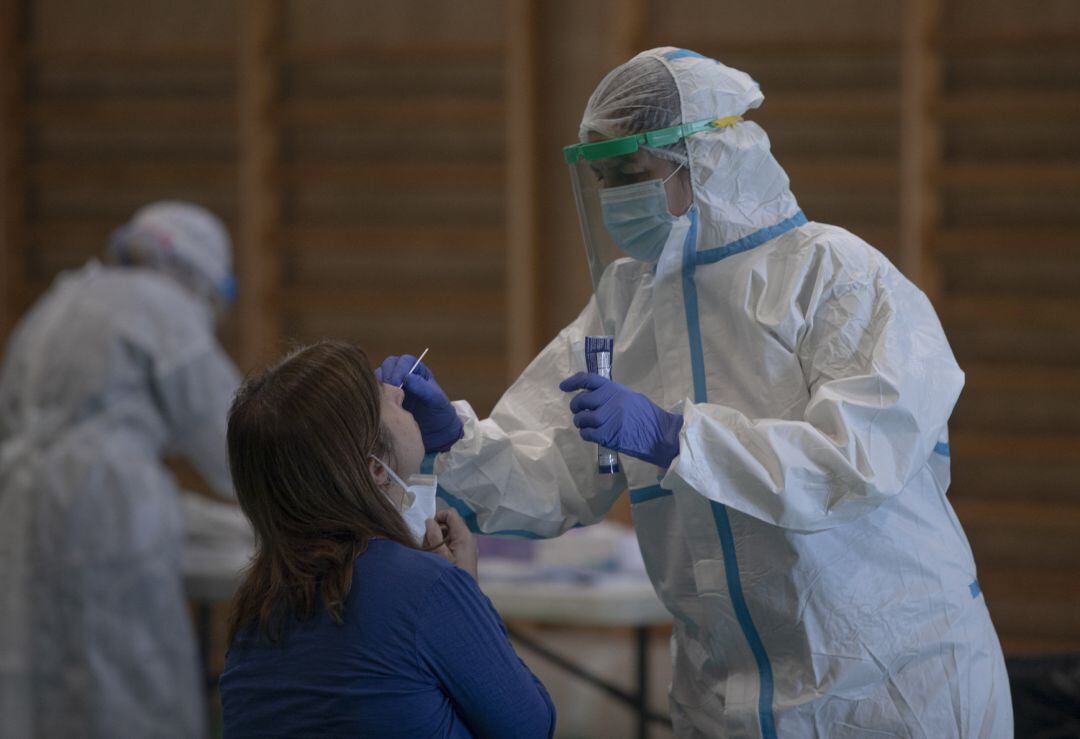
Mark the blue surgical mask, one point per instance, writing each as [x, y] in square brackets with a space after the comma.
[638, 218]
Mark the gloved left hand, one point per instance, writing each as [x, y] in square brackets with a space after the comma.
[439, 424]
[616, 417]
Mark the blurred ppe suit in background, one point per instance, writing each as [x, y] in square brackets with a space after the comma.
[799, 531]
[113, 368]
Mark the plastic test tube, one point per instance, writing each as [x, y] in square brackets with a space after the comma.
[598, 352]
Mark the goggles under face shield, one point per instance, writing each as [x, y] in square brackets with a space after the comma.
[603, 165]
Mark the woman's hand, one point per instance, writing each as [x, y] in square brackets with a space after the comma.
[449, 537]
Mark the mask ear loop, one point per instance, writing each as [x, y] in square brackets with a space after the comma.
[665, 181]
[409, 497]
[675, 172]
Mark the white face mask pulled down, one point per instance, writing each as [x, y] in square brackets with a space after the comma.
[418, 505]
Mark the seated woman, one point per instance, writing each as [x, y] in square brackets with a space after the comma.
[345, 625]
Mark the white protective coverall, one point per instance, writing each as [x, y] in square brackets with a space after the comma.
[820, 581]
[110, 370]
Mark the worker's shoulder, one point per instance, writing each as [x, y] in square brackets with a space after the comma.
[826, 238]
[138, 289]
[137, 304]
[837, 255]
[154, 310]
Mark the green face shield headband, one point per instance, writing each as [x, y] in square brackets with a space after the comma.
[655, 139]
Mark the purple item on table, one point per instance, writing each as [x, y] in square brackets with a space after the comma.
[506, 547]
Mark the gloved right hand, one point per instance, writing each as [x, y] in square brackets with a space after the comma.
[439, 424]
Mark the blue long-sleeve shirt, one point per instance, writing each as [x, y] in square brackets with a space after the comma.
[421, 653]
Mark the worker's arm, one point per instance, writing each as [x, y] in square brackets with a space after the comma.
[524, 469]
[195, 390]
[883, 383]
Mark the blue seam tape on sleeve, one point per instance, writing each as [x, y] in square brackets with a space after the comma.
[643, 495]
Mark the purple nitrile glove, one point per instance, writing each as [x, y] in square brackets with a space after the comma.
[617, 418]
[439, 424]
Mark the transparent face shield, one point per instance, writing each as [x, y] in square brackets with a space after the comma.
[620, 194]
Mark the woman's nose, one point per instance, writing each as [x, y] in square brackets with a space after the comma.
[397, 394]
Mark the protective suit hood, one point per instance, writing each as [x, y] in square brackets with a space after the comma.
[738, 186]
[184, 241]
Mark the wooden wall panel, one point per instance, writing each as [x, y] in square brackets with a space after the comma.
[154, 26]
[1009, 250]
[522, 184]
[998, 20]
[117, 115]
[258, 249]
[832, 98]
[575, 55]
[920, 144]
[357, 156]
[816, 23]
[394, 188]
[12, 173]
[417, 24]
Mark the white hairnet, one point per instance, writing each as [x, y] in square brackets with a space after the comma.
[643, 95]
[635, 97]
[183, 240]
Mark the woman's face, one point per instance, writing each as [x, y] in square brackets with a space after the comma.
[404, 434]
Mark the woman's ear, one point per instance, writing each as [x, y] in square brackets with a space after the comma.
[378, 472]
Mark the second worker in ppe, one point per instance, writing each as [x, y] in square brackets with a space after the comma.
[115, 366]
[780, 400]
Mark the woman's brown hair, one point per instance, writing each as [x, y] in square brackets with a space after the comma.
[300, 435]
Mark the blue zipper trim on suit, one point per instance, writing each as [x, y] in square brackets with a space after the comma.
[691, 260]
[427, 467]
[742, 613]
[942, 448]
[759, 237]
[652, 492]
[690, 301]
[974, 588]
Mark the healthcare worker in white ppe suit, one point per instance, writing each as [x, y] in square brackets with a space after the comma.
[115, 366]
[779, 400]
